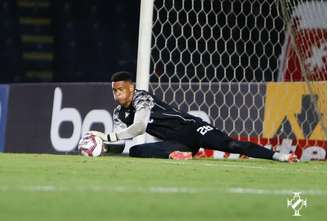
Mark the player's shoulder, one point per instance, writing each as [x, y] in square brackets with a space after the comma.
[139, 93]
[142, 98]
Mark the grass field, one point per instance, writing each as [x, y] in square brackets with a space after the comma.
[59, 187]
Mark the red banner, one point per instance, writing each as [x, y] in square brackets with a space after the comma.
[308, 23]
[304, 149]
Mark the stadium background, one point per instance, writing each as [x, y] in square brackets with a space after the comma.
[67, 40]
[56, 57]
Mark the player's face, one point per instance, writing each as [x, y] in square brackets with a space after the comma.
[123, 92]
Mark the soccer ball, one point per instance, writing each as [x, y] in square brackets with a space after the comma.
[91, 146]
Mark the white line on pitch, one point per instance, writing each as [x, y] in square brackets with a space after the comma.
[154, 189]
[241, 166]
[114, 189]
[273, 192]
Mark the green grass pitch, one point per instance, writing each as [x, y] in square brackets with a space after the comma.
[64, 187]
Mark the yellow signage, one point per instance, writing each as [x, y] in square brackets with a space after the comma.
[288, 101]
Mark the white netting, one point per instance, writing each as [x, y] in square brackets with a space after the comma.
[216, 56]
[216, 40]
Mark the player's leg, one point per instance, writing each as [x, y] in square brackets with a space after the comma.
[213, 138]
[249, 149]
[254, 150]
[158, 149]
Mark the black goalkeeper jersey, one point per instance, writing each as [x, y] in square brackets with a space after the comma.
[166, 122]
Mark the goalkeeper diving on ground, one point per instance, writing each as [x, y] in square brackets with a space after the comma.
[181, 135]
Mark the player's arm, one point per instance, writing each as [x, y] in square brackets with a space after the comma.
[118, 125]
[141, 119]
[143, 103]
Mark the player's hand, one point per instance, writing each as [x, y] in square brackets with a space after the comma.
[111, 137]
[97, 134]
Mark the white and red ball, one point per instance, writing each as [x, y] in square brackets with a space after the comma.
[91, 146]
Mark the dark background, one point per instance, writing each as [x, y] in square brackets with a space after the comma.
[88, 40]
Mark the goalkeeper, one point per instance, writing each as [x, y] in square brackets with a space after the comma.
[181, 134]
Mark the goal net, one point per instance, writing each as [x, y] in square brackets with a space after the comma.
[224, 58]
[306, 36]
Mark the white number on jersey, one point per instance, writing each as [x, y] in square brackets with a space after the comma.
[204, 129]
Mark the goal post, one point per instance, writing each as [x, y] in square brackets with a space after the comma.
[144, 57]
[144, 44]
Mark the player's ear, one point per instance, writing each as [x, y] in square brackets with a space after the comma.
[131, 87]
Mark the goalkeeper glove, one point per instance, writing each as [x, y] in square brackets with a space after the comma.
[111, 137]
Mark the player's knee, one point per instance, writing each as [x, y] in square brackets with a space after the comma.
[234, 144]
[238, 146]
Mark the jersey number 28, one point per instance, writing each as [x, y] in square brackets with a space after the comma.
[204, 129]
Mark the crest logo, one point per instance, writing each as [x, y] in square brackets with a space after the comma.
[296, 203]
